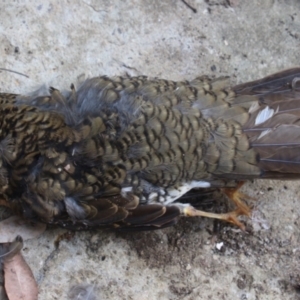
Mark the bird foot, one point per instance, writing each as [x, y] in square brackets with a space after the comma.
[232, 217]
[238, 198]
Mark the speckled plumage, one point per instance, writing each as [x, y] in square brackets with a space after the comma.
[122, 151]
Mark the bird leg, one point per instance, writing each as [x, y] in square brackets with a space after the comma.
[238, 198]
[231, 217]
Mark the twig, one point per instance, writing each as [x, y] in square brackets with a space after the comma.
[12, 71]
[128, 67]
[189, 6]
[92, 7]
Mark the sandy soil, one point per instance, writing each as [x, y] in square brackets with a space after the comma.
[60, 42]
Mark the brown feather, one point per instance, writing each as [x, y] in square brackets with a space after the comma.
[121, 151]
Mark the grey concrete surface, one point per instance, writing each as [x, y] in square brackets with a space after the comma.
[60, 42]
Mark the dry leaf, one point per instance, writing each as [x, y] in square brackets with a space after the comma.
[18, 278]
[11, 227]
[7, 250]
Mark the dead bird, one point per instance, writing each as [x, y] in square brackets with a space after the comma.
[121, 152]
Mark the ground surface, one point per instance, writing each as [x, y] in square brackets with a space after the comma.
[57, 42]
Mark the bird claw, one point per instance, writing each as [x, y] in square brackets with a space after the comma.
[232, 217]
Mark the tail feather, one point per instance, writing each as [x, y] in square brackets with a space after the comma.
[273, 127]
[280, 82]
